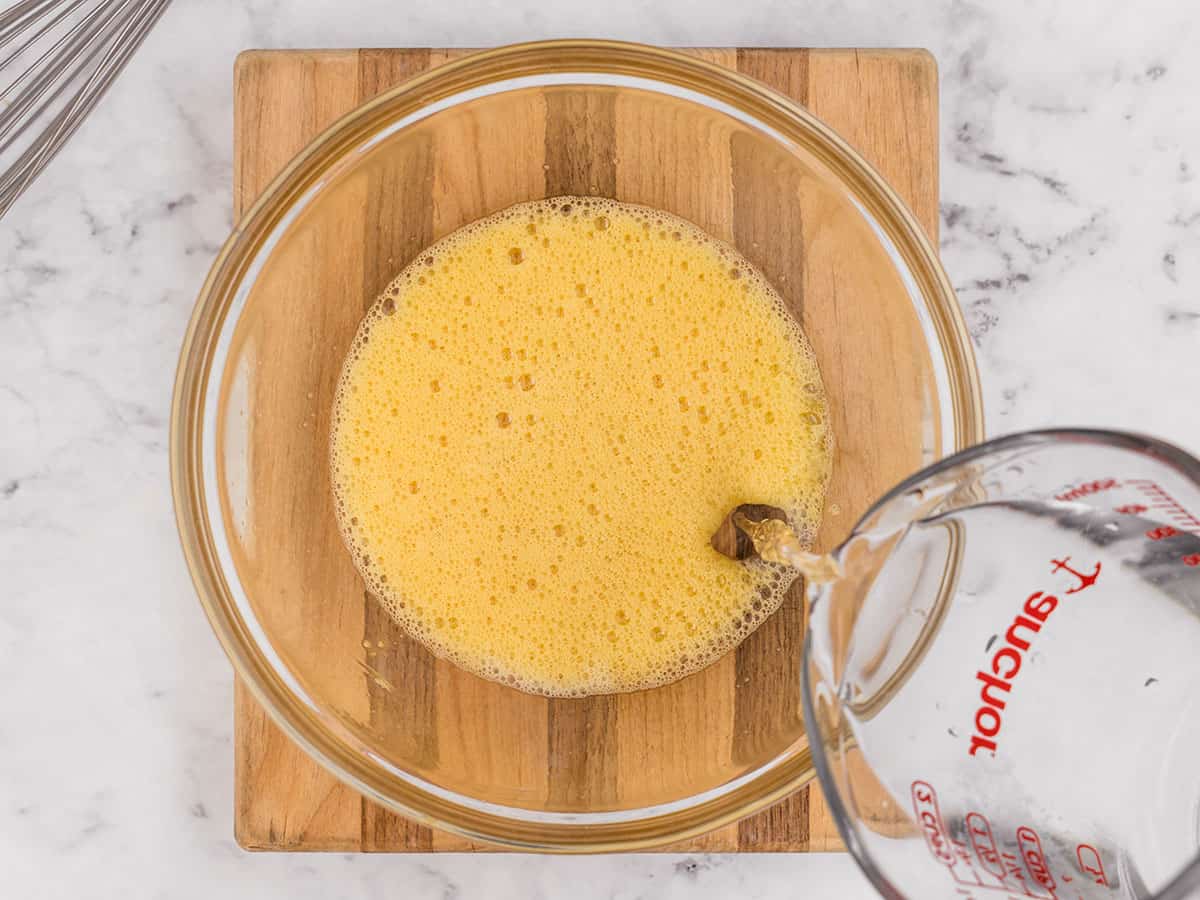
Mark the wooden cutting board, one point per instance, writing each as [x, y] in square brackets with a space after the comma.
[884, 102]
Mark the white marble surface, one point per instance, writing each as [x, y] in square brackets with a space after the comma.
[1071, 224]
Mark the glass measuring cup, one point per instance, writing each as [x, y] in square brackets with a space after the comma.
[1002, 689]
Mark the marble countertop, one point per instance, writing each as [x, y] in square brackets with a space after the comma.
[1070, 226]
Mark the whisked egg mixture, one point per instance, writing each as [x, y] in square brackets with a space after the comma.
[539, 426]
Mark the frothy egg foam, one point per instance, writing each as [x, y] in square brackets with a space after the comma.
[541, 423]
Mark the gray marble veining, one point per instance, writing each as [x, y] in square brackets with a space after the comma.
[1070, 226]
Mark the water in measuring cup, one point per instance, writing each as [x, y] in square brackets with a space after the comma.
[1025, 723]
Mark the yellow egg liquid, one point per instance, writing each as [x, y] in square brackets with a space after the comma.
[540, 425]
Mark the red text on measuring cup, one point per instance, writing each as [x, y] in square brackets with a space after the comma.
[983, 842]
[1035, 858]
[925, 806]
[1090, 864]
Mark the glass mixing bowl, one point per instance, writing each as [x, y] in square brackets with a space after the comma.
[249, 437]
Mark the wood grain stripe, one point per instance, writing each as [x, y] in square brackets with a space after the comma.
[580, 144]
[397, 225]
[680, 736]
[768, 228]
[288, 101]
[580, 159]
[489, 734]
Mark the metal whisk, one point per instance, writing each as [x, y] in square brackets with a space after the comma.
[57, 58]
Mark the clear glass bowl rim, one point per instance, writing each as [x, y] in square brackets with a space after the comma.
[335, 748]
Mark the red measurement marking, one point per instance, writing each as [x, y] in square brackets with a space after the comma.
[1161, 532]
[1192, 559]
[1090, 864]
[988, 870]
[1085, 490]
[1131, 509]
[1160, 499]
[979, 829]
[925, 805]
[1035, 859]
